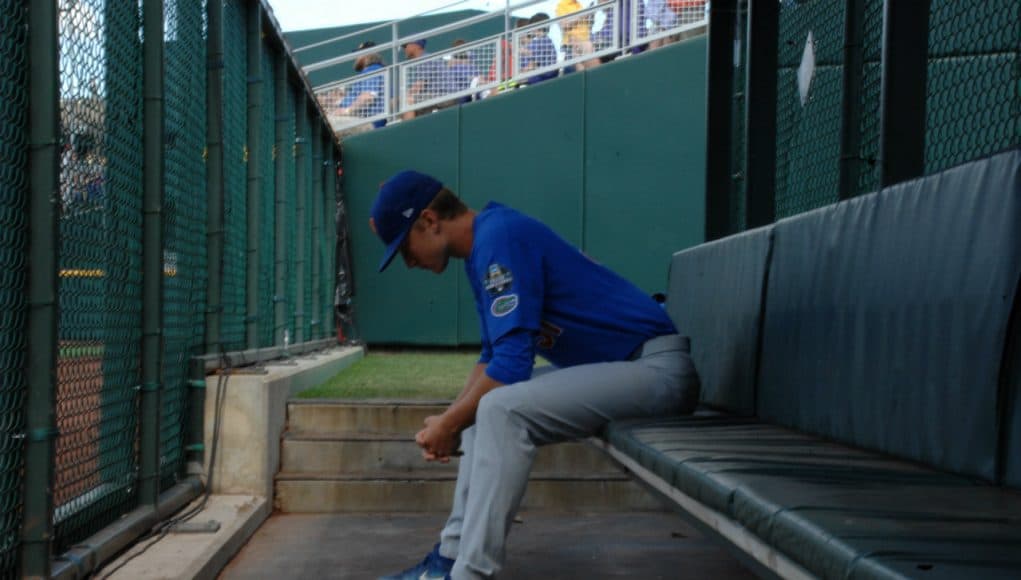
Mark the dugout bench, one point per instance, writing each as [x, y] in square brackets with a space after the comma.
[860, 377]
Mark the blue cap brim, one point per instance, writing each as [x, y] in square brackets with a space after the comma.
[392, 248]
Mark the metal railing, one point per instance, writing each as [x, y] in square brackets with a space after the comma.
[522, 54]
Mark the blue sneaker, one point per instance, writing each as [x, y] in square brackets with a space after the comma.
[433, 567]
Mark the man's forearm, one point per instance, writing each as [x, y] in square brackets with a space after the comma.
[478, 370]
[461, 413]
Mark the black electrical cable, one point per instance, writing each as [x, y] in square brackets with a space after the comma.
[162, 528]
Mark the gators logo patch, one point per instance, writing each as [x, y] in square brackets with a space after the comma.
[504, 305]
[498, 280]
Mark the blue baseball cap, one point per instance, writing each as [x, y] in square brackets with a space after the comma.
[400, 201]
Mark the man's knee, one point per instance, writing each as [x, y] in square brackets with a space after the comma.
[497, 404]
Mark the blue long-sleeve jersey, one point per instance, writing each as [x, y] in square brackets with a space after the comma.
[537, 294]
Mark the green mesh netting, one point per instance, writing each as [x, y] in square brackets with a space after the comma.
[235, 104]
[100, 260]
[974, 81]
[293, 251]
[99, 330]
[291, 303]
[327, 241]
[13, 234]
[184, 282]
[808, 131]
[316, 219]
[267, 221]
[305, 304]
[866, 164]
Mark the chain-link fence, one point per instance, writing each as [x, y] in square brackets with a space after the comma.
[13, 274]
[810, 44]
[100, 234]
[184, 282]
[829, 94]
[100, 265]
[973, 107]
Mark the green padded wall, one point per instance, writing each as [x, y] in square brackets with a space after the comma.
[613, 160]
[415, 307]
[645, 161]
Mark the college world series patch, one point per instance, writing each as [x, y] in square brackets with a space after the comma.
[498, 280]
[504, 305]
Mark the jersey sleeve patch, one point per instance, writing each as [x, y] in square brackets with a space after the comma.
[504, 305]
[498, 280]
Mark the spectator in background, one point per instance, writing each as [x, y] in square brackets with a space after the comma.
[461, 74]
[508, 64]
[365, 98]
[576, 34]
[426, 80]
[540, 52]
[663, 16]
[461, 70]
[604, 37]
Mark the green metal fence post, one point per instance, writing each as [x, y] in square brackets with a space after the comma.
[283, 148]
[760, 112]
[719, 124]
[41, 343]
[254, 156]
[902, 113]
[152, 252]
[329, 235]
[214, 174]
[300, 194]
[317, 219]
[850, 106]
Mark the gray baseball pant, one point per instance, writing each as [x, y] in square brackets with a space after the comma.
[551, 407]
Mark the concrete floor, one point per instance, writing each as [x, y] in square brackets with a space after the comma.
[541, 546]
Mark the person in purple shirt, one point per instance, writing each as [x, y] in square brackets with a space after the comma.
[614, 353]
[540, 52]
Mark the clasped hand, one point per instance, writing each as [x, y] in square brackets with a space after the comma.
[437, 440]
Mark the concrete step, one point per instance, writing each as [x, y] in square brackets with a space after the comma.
[366, 453]
[422, 491]
[336, 417]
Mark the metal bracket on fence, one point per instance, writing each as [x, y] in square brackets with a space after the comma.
[195, 447]
[197, 384]
[149, 387]
[36, 435]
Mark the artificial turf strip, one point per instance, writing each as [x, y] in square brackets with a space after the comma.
[399, 375]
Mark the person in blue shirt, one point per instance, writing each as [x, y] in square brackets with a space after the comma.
[366, 97]
[427, 79]
[614, 353]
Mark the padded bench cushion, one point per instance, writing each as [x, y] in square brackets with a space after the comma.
[886, 317]
[837, 511]
[715, 297]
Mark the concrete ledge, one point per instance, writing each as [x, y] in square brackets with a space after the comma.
[197, 555]
[254, 415]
